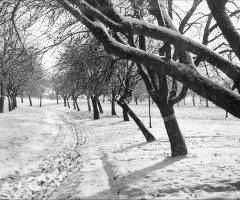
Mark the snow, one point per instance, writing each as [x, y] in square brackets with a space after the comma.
[55, 152]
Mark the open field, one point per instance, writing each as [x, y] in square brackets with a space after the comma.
[57, 153]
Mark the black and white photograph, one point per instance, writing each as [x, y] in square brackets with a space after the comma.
[119, 99]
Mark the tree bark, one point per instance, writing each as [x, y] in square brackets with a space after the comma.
[113, 103]
[65, 101]
[68, 103]
[2, 93]
[9, 103]
[57, 98]
[77, 105]
[40, 97]
[125, 115]
[176, 139]
[14, 102]
[183, 72]
[74, 104]
[149, 137]
[113, 108]
[225, 24]
[95, 108]
[89, 105]
[30, 99]
[136, 100]
[99, 106]
[193, 100]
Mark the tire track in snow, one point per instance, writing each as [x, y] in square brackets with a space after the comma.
[49, 170]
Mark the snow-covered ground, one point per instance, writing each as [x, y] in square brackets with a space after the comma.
[55, 152]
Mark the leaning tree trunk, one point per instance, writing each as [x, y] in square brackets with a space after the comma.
[89, 105]
[74, 103]
[95, 108]
[99, 106]
[77, 104]
[30, 99]
[125, 114]
[176, 139]
[68, 103]
[149, 137]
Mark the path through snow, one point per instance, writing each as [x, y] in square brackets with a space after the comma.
[109, 158]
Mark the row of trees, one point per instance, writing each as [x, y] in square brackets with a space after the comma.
[141, 42]
[128, 37]
[20, 64]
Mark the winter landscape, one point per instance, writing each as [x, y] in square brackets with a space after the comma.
[119, 99]
[55, 152]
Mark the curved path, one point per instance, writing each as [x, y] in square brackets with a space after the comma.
[44, 172]
[109, 159]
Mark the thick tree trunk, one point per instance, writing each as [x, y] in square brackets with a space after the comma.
[99, 106]
[95, 108]
[149, 137]
[21, 99]
[176, 139]
[89, 105]
[183, 72]
[225, 24]
[207, 105]
[30, 99]
[125, 115]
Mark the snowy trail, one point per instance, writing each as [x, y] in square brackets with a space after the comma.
[119, 164]
[44, 173]
[109, 159]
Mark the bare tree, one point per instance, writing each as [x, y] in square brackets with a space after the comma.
[184, 71]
